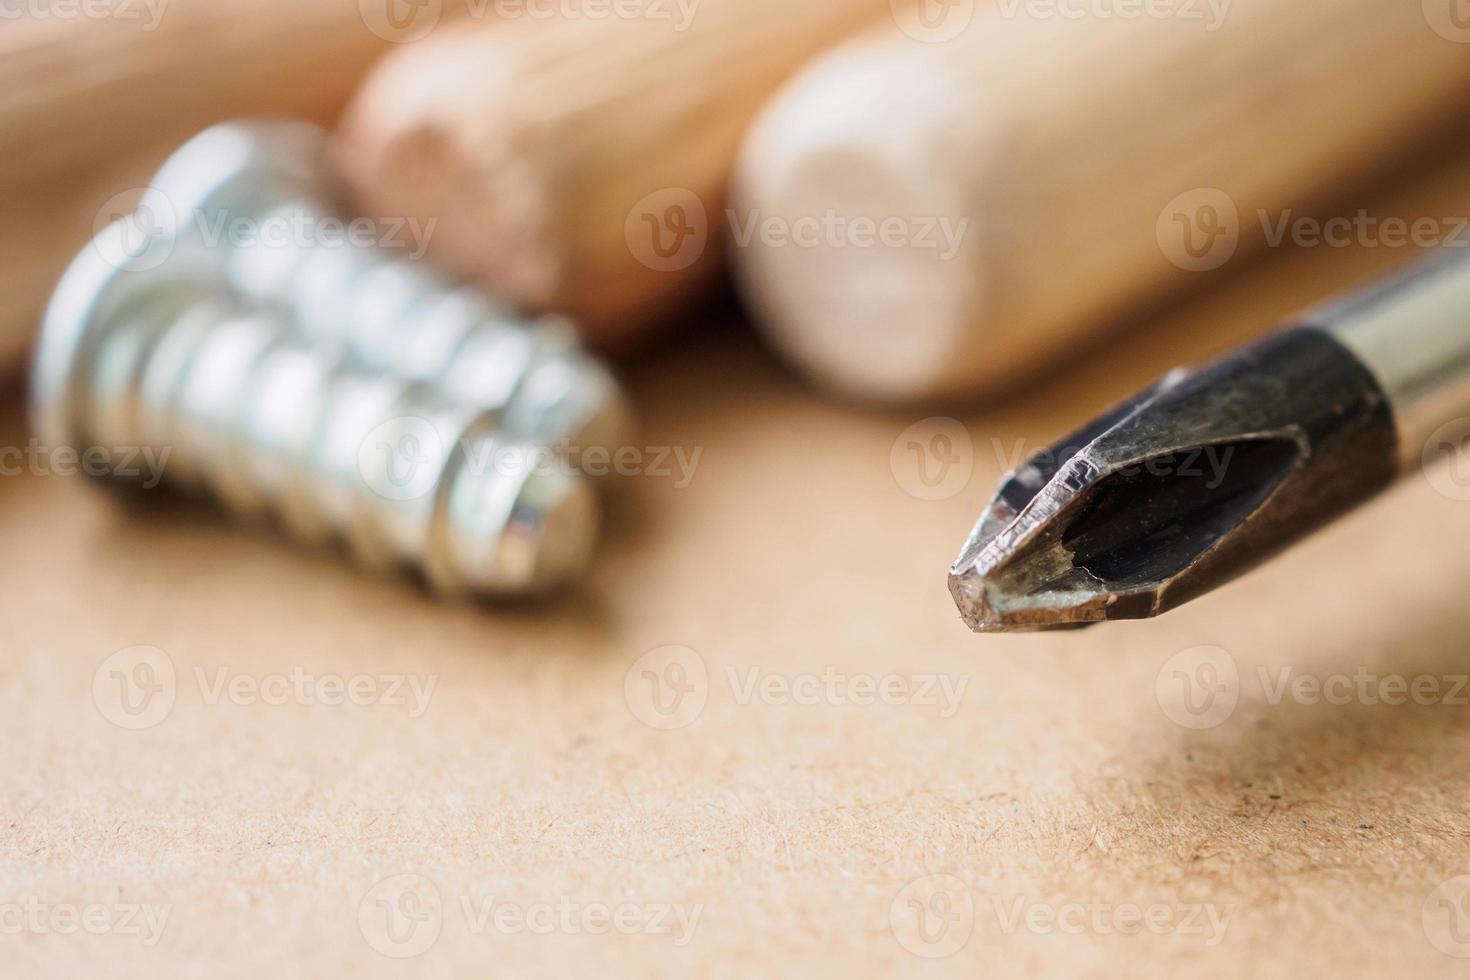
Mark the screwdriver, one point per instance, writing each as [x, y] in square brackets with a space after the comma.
[1208, 473]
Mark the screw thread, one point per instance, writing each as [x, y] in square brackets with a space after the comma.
[273, 423]
[396, 315]
[388, 309]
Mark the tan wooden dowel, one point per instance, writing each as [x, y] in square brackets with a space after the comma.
[1035, 175]
[579, 164]
[89, 105]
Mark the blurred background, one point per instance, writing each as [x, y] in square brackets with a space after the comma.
[849, 261]
[917, 200]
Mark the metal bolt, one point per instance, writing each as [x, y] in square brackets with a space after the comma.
[140, 353]
[219, 193]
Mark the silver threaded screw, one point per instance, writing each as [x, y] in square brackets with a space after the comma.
[133, 355]
[391, 312]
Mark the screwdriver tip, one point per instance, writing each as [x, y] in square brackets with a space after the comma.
[1178, 490]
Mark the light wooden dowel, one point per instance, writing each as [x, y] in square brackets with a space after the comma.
[536, 142]
[88, 106]
[1038, 175]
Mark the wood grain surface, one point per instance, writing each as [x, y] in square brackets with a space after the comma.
[1054, 154]
[1291, 839]
[542, 145]
[91, 105]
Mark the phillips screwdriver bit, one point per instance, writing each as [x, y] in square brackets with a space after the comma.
[1208, 473]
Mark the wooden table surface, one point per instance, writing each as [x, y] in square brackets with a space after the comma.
[759, 739]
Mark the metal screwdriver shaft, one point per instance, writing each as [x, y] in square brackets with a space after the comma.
[1194, 481]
